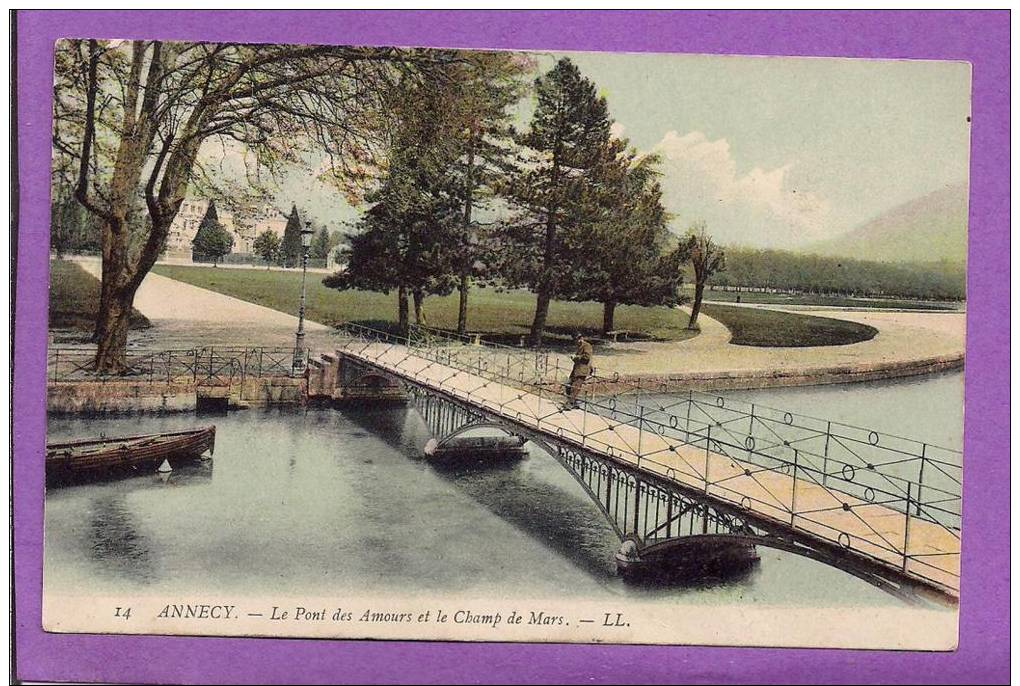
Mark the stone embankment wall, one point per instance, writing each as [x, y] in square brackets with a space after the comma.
[764, 378]
[133, 396]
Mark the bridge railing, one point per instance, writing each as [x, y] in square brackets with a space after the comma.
[217, 364]
[858, 468]
[527, 368]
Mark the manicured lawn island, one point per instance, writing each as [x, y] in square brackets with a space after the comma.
[74, 298]
[775, 329]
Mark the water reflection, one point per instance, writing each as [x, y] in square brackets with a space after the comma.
[116, 545]
[570, 526]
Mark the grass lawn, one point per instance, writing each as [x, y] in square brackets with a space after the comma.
[74, 298]
[502, 317]
[827, 300]
[772, 329]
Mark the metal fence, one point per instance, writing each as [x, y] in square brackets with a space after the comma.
[205, 366]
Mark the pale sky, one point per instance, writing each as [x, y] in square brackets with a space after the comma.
[770, 151]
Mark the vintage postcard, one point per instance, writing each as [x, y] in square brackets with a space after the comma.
[519, 346]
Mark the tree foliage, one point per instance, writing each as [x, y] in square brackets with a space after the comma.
[786, 271]
[707, 258]
[627, 255]
[267, 246]
[319, 249]
[479, 95]
[291, 250]
[408, 238]
[131, 118]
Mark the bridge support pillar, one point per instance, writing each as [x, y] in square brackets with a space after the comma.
[687, 558]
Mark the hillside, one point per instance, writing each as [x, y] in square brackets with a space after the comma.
[927, 229]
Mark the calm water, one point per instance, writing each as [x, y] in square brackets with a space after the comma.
[329, 502]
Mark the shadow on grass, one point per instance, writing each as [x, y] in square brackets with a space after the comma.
[74, 299]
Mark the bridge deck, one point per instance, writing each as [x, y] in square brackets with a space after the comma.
[863, 528]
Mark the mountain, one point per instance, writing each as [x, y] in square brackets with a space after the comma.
[926, 229]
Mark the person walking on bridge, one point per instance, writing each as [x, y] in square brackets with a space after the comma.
[581, 370]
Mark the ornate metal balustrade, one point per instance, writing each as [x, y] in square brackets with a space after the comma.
[203, 366]
[654, 437]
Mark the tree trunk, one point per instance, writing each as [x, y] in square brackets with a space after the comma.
[699, 291]
[468, 259]
[545, 286]
[114, 321]
[541, 314]
[462, 307]
[419, 310]
[403, 323]
[608, 313]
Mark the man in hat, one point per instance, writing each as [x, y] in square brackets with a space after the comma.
[581, 369]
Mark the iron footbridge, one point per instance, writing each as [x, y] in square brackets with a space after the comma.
[692, 472]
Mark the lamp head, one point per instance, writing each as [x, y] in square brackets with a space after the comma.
[306, 234]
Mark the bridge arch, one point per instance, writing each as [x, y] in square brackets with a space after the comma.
[748, 537]
[498, 426]
[372, 379]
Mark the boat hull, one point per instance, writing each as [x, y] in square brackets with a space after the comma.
[91, 458]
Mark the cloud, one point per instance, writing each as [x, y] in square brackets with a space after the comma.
[761, 208]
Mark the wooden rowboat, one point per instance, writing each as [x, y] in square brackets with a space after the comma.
[96, 455]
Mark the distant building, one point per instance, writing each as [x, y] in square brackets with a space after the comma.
[268, 219]
[185, 226]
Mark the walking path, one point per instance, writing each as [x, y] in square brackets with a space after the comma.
[907, 343]
[185, 316]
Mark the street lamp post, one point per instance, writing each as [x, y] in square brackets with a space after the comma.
[299, 343]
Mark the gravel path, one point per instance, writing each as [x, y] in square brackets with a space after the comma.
[185, 316]
[904, 339]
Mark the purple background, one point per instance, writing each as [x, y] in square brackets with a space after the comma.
[979, 37]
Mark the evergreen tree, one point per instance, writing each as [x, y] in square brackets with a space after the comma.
[624, 257]
[557, 190]
[481, 91]
[291, 250]
[407, 238]
[212, 241]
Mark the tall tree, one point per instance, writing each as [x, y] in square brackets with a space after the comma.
[131, 118]
[212, 241]
[707, 258]
[291, 250]
[556, 190]
[267, 246]
[480, 95]
[627, 255]
[408, 237]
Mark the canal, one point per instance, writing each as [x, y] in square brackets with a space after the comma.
[327, 502]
